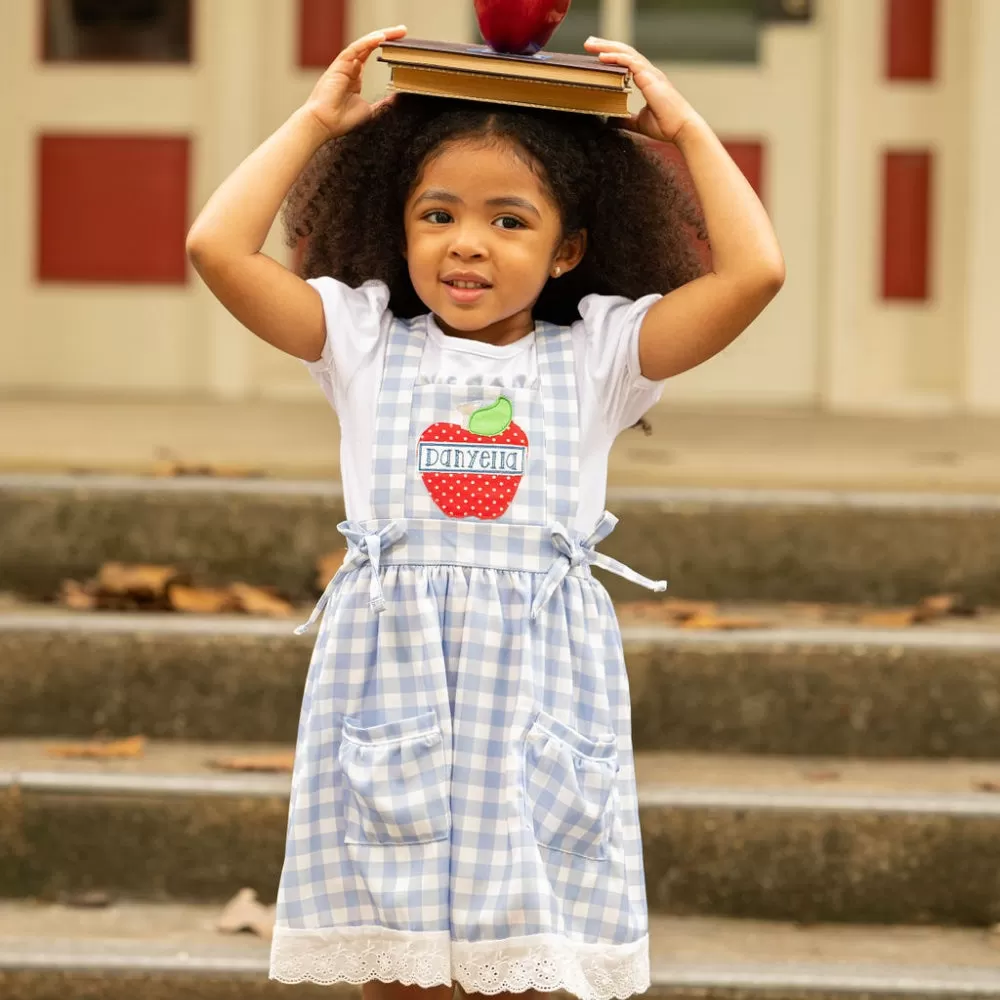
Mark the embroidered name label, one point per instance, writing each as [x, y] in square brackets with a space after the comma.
[490, 459]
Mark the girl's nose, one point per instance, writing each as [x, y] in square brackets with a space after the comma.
[467, 244]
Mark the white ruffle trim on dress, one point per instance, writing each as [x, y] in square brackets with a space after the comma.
[543, 962]
[359, 954]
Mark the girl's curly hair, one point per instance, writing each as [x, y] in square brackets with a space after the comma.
[640, 219]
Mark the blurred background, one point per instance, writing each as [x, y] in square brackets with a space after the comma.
[866, 126]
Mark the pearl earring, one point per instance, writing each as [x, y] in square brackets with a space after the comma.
[558, 271]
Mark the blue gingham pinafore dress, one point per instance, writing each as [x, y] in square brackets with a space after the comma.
[463, 803]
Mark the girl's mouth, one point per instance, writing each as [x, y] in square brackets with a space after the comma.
[465, 292]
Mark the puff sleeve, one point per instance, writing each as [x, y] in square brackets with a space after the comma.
[355, 326]
[611, 324]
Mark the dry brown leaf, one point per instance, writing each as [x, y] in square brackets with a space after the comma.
[134, 746]
[200, 600]
[76, 595]
[809, 609]
[942, 606]
[928, 609]
[671, 610]
[683, 610]
[244, 912]
[259, 601]
[898, 618]
[327, 566]
[821, 775]
[722, 623]
[274, 763]
[168, 467]
[137, 580]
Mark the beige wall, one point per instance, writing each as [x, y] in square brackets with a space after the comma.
[895, 356]
[816, 100]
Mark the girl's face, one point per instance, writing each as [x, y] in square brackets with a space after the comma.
[479, 215]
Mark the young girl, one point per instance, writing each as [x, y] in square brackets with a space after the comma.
[496, 293]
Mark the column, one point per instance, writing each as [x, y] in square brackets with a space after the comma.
[18, 44]
[616, 20]
[228, 49]
[982, 375]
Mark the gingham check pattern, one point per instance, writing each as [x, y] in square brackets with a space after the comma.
[398, 775]
[562, 420]
[517, 834]
[392, 421]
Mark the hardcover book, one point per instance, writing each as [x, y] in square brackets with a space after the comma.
[561, 81]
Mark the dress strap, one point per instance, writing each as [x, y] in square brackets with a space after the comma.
[576, 552]
[392, 419]
[557, 372]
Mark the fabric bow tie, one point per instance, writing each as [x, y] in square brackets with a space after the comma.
[363, 545]
[574, 552]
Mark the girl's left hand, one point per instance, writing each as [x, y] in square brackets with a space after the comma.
[666, 112]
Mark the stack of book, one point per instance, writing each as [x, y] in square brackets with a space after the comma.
[558, 80]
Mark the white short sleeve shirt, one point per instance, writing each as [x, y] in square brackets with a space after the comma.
[613, 394]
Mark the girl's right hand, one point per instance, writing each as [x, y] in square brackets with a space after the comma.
[336, 100]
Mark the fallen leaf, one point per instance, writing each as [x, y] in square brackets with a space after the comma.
[134, 746]
[821, 775]
[943, 606]
[200, 600]
[115, 578]
[274, 763]
[244, 912]
[670, 610]
[722, 623]
[258, 601]
[327, 566]
[76, 595]
[899, 618]
[169, 464]
[987, 786]
[806, 609]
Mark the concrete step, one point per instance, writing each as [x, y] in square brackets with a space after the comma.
[795, 688]
[162, 951]
[726, 544]
[807, 839]
[731, 446]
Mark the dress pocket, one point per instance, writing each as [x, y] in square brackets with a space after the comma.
[397, 781]
[569, 780]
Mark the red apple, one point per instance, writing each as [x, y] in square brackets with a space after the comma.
[519, 26]
[474, 471]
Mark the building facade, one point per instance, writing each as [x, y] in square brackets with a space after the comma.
[869, 127]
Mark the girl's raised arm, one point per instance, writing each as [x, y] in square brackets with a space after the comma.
[696, 321]
[224, 243]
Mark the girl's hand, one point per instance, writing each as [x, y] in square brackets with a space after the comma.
[336, 100]
[666, 112]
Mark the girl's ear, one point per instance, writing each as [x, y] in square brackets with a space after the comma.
[570, 253]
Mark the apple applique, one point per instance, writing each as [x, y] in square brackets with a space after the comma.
[521, 27]
[474, 471]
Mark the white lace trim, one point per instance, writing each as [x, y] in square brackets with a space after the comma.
[540, 961]
[359, 954]
[552, 962]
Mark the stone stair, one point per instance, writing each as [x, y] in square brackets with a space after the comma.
[819, 800]
[169, 950]
[765, 545]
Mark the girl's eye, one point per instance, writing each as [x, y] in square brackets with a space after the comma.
[518, 224]
[437, 211]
